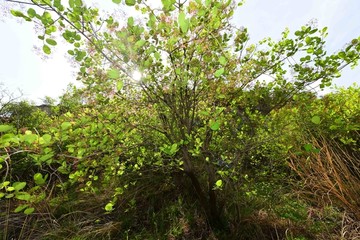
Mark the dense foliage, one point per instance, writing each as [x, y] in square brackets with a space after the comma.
[198, 147]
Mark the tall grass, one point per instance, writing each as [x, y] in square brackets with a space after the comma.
[331, 175]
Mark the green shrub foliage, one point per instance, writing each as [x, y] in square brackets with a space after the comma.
[199, 128]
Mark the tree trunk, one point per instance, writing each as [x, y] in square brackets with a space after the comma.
[208, 202]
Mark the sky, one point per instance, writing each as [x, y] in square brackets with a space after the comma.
[22, 68]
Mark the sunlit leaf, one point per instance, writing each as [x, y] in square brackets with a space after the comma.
[51, 42]
[140, 43]
[119, 85]
[19, 185]
[130, 21]
[46, 138]
[4, 184]
[78, 3]
[168, 4]
[30, 138]
[31, 12]
[23, 196]
[17, 13]
[113, 74]
[183, 22]
[130, 2]
[109, 207]
[57, 4]
[65, 125]
[39, 179]
[219, 72]
[29, 211]
[46, 157]
[46, 49]
[316, 119]
[20, 208]
[5, 128]
[222, 60]
[214, 125]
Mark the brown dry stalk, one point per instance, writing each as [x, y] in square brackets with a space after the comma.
[332, 173]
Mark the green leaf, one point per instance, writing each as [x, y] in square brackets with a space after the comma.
[46, 157]
[140, 43]
[39, 180]
[2, 195]
[170, 150]
[57, 4]
[48, 2]
[46, 138]
[113, 74]
[19, 185]
[5, 128]
[219, 183]
[20, 208]
[130, 2]
[30, 138]
[17, 13]
[222, 60]
[316, 119]
[109, 207]
[51, 42]
[46, 49]
[23, 196]
[78, 3]
[168, 4]
[299, 33]
[173, 149]
[183, 22]
[342, 55]
[4, 184]
[9, 195]
[219, 72]
[31, 12]
[130, 21]
[214, 125]
[80, 55]
[29, 211]
[65, 125]
[116, 1]
[308, 147]
[119, 85]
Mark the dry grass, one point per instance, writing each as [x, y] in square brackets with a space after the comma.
[350, 228]
[332, 175]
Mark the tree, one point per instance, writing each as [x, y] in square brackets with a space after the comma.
[199, 104]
